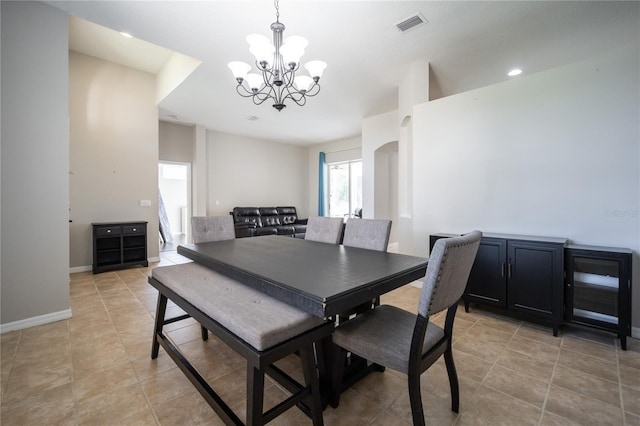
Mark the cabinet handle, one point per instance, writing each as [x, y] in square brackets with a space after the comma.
[108, 231]
[502, 270]
[509, 271]
[134, 229]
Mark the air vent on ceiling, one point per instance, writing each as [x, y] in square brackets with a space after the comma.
[411, 22]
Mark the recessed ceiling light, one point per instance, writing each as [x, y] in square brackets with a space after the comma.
[125, 34]
[514, 72]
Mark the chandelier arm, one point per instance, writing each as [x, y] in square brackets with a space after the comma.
[242, 91]
[310, 93]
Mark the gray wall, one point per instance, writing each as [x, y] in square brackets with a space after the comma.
[114, 150]
[176, 142]
[35, 164]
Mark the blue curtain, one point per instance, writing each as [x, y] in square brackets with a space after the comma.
[322, 165]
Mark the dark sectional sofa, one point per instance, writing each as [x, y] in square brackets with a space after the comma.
[255, 221]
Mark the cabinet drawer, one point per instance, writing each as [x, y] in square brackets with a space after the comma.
[107, 231]
[134, 229]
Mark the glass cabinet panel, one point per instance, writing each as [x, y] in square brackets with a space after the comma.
[595, 289]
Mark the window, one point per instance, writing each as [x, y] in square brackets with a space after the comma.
[345, 188]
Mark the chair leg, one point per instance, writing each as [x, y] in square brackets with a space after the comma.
[255, 396]
[453, 380]
[311, 381]
[204, 332]
[339, 360]
[415, 399]
[161, 308]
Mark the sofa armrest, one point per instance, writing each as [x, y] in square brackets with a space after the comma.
[301, 221]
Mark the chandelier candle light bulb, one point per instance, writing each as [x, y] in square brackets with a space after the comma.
[277, 66]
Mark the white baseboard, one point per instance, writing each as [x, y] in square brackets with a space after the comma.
[34, 321]
[417, 284]
[89, 268]
[635, 332]
[77, 269]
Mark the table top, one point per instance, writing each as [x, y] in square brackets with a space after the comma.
[322, 279]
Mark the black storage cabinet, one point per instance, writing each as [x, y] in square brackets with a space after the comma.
[521, 275]
[119, 245]
[598, 288]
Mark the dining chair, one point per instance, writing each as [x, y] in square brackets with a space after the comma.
[409, 343]
[324, 229]
[212, 228]
[371, 234]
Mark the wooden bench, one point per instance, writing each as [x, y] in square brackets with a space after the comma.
[260, 328]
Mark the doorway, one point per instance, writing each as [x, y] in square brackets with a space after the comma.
[174, 183]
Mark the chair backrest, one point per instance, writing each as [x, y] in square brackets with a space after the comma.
[212, 228]
[324, 229]
[448, 270]
[372, 234]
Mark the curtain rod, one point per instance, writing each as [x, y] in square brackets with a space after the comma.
[341, 150]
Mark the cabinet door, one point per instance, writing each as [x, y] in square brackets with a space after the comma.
[535, 278]
[598, 289]
[487, 281]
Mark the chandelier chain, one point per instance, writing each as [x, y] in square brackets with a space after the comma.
[277, 6]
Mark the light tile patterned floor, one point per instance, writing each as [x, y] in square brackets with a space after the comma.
[95, 369]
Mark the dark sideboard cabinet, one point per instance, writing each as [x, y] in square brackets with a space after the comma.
[519, 274]
[119, 245]
[544, 279]
[598, 289]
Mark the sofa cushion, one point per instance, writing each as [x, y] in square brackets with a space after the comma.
[270, 220]
[286, 229]
[247, 215]
[268, 211]
[267, 230]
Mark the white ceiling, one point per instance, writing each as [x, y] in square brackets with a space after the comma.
[469, 44]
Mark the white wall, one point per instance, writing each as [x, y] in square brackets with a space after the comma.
[114, 150]
[35, 165]
[376, 131]
[245, 172]
[554, 154]
[340, 150]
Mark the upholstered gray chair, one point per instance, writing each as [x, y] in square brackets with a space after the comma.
[408, 343]
[324, 229]
[212, 228]
[371, 234]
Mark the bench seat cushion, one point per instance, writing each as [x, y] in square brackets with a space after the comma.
[256, 318]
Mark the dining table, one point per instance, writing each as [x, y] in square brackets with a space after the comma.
[322, 279]
[319, 278]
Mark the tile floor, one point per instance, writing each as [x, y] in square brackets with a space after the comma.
[95, 369]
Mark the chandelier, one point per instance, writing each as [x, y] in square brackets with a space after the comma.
[277, 65]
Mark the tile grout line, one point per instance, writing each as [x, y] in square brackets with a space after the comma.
[624, 416]
[459, 415]
[144, 394]
[553, 372]
[139, 384]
